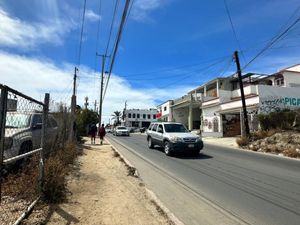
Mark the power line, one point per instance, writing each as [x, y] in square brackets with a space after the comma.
[272, 42]
[174, 69]
[81, 34]
[190, 74]
[232, 27]
[119, 35]
[97, 44]
[111, 25]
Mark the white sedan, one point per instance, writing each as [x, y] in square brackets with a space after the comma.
[121, 131]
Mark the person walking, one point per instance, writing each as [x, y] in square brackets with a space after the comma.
[101, 133]
[93, 133]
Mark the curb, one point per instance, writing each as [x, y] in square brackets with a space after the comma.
[130, 167]
[150, 193]
[251, 151]
[165, 210]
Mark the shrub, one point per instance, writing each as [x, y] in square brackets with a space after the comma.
[277, 120]
[56, 170]
[242, 141]
[291, 153]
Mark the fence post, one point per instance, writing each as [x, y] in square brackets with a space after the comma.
[43, 142]
[3, 110]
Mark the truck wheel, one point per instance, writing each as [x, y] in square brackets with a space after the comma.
[150, 143]
[167, 148]
[25, 147]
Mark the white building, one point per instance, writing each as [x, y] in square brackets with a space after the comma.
[222, 113]
[215, 108]
[165, 111]
[139, 117]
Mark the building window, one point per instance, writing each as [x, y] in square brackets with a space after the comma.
[165, 108]
[149, 116]
[154, 116]
[144, 116]
[133, 115]
[279, 80]
[129, 115]
[138, 116]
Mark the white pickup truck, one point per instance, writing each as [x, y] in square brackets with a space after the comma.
[23, 132]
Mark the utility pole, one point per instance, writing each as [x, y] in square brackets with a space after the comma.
[239, 72]
[124, 112]
[95, 106]
[73, 106]
[86, 102]
[101, 88]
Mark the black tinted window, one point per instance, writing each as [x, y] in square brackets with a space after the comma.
[36, 119]
[175, 128]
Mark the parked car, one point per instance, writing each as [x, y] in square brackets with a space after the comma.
[173, 137]
[23, 132]
[121, 131]
[142, 129]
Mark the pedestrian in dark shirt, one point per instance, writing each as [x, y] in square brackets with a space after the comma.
[101, 133]
[92, 133]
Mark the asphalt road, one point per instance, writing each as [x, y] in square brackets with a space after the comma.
[221, 186]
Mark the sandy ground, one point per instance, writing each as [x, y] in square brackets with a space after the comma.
[103, 193]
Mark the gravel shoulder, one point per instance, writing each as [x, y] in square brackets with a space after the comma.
[102, 192]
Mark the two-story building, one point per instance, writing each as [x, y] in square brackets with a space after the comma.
[139, 117]
[215, 108]
[165, 112]
[222, 115]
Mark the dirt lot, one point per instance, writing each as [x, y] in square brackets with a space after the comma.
[102, 192]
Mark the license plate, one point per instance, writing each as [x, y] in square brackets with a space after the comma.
[191, 146]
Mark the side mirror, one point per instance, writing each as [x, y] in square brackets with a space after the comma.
[160, 131]
[37, 126]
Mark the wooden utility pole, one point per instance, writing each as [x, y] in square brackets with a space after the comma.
[239, 72]
[73, 107]
[101, 88]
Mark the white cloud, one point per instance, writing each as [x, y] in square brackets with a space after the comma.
[142, 8]
[21, 34]
[92, 16]
[34, 77]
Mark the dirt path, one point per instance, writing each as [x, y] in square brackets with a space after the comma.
[102, 193]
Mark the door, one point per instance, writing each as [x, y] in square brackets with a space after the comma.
[160, 132]
[36, 127]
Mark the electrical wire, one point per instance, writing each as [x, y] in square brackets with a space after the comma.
[111, 26]
[174, 69]
[115, 49]
[272, 42]
[81, 34]
[192, 73]
[233, 30]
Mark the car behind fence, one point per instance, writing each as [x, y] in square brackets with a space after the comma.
[28, 133]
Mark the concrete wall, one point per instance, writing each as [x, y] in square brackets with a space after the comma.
[274, 98]
[210, 118]
[291, 79]
[181, 115]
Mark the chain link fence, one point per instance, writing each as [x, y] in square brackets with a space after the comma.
[27, 133]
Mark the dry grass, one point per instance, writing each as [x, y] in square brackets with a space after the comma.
[23, 183]
[242, 141]
[56, 170]
[261, 134]
[291, 153]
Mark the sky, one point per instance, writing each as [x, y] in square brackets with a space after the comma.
[168, 47]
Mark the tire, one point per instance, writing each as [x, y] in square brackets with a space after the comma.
[196, 153]
[150, 143]
[167, 148]
[25, 147]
